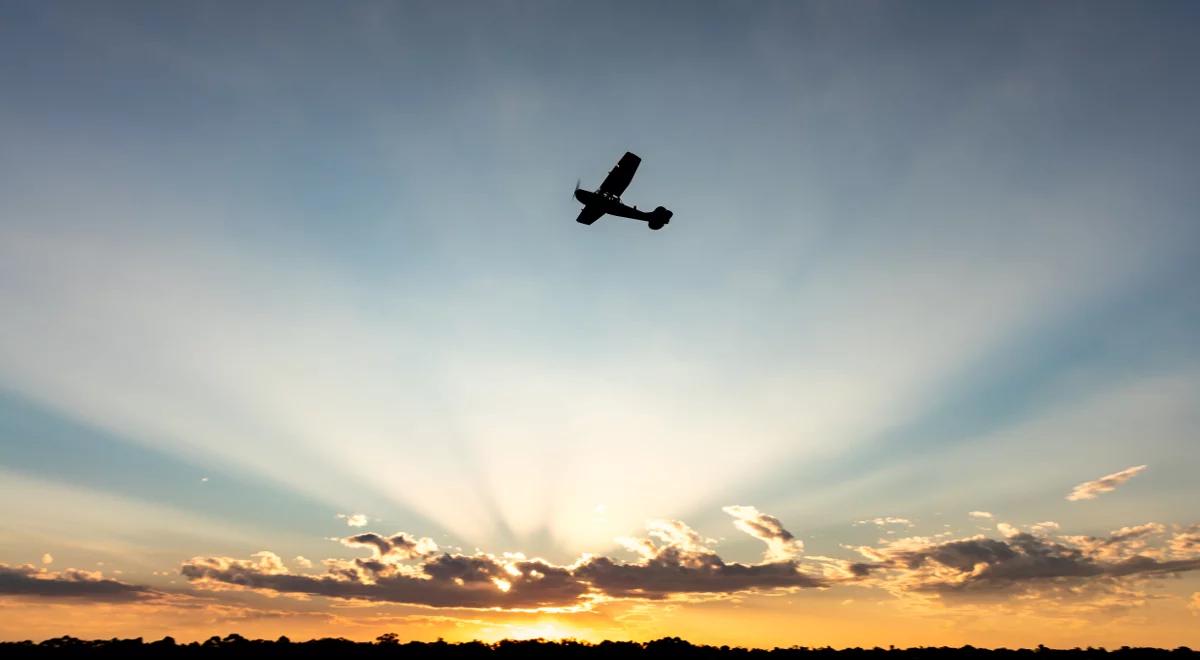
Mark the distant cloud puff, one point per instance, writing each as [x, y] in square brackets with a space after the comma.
[47, 558]
[71, 583]
[673, 559]
[980, 514]
[303, 562]
[1091, 489]
[354, 519]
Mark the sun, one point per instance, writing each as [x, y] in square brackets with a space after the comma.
[547, 630]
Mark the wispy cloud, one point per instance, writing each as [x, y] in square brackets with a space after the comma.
[884, 521]
[1089, 490]
[980, 514]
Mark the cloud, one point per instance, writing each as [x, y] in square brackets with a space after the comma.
[302, 561]
[885, 521]
[680, 564]
[47, 559]
[443, 581]
[1044, 527]
[397, 547]
[673, 559]
[1186, 542]
[781, 545]
[28, 580]
[1019, 562]
[354, 519]
[1089, 490]
[980, 514]
[1122, 543]
[1194, 605]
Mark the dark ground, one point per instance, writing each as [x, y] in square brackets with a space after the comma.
[387, 646]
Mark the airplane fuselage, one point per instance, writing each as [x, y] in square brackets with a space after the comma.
[611, 205]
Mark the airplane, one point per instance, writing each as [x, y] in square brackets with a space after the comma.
[607, 198]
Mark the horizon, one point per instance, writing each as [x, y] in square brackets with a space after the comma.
[386, 640]
[299, 335]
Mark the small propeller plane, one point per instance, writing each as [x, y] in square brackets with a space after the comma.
[607, 198]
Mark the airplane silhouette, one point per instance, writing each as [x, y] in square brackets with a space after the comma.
[607, 198]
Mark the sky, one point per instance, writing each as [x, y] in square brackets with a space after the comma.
[298, 335]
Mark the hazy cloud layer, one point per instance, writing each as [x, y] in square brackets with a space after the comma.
[28, 580]
[884, 521]
[1090, 490]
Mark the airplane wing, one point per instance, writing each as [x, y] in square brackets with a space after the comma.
[618, 179]
[588, 215]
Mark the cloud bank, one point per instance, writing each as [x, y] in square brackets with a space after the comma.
[1024, 562]
[673, 559]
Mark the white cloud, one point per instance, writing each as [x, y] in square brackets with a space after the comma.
[980, 514]
[1008, 530]
[1091, 489]
[47, 558]
[354, 519]
[781, 545]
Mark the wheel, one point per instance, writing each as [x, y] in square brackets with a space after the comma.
[655, 226]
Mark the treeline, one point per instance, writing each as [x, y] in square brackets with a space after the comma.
[389, 646]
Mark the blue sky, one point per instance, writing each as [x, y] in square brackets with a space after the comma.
[925, 259]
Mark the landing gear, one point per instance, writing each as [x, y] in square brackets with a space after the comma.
[656, 225]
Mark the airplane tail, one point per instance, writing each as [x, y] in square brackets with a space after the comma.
[659, 217]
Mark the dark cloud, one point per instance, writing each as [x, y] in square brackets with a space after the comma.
[28, 580]
[1020, 561]
[674, 559]
[392, 548]
[674, 571]
[480, 581]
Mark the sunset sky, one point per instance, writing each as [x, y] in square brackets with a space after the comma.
[298, 334]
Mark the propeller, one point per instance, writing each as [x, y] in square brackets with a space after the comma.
[577, 183]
